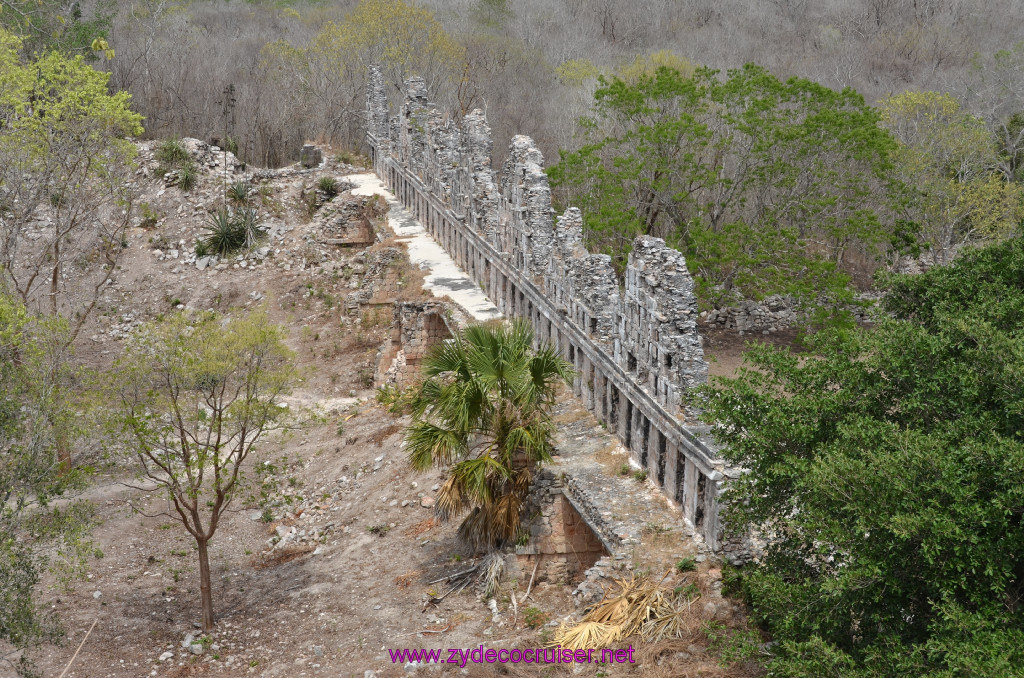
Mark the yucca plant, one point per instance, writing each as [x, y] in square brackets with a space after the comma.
[247, 220]
[223, 234]
[238, 192]
[483, 412]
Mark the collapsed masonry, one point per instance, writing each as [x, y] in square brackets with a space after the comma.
[636, 349]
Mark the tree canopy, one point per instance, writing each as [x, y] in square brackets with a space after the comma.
[66, 163]
[885, 467]
[765, 184]
[37, 412]
[195, 395]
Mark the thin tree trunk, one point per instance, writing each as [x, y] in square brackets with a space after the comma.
[204, 585]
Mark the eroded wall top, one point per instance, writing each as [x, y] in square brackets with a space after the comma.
[648, 323]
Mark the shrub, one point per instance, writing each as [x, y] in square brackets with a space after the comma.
[187, 176]
[687, 564]
[238, 193]
[534, 618]
[328, 186]
[149, 216]
[172, 152]
[640, 476]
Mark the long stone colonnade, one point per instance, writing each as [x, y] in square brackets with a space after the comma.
[636, 349]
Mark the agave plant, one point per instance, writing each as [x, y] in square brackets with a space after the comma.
[483, 412]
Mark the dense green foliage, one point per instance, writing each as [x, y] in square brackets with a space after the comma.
[765, 184]
[483, 413]
[886, 466]
[36, 413]
[59, 25]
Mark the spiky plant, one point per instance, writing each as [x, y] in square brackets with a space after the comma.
[247, 220]
[328, 186]
[187, 176]
[238, 192]
[223, 234]
[483, 412]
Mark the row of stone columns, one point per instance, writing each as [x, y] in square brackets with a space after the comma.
[649, 446]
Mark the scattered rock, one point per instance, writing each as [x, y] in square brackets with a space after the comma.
[427, 502]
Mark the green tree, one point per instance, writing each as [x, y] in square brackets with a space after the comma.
[66, 180]
[951, 159]
[196, 393]
[35, 412]
[765, 184]
[483, 413]
[884, 467]
[59, 25]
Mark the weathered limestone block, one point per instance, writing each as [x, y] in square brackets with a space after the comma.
[377, 124]
[310, 156]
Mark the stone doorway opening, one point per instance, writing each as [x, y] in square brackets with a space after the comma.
[563, 546]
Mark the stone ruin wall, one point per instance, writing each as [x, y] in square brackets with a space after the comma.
[635, 347]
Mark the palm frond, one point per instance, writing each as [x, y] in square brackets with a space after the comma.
[450, 501]
[477, 476]
[432, 445]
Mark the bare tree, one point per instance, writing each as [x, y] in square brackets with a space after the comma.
[195, 395]
[66, 188]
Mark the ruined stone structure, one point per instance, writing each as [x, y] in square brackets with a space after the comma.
[636, 348]
[417, 327]
[564, 540]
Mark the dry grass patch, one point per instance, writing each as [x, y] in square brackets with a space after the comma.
[421, 527]
[281, 556]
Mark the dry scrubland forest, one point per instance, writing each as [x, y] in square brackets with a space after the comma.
[210, 464]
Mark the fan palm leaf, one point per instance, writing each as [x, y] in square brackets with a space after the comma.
[482, 412]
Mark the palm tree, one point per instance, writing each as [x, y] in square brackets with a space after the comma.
[483, 412]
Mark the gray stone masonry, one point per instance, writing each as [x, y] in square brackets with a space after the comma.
[635, 347]
[310, 156]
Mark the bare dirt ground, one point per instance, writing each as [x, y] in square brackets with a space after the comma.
[723, 349]
[362, 555]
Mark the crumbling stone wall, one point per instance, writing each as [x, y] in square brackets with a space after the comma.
[636, 348]
[563, 544]
[418, 326]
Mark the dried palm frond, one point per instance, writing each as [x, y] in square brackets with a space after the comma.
[673, 618]
[491, 569]
[450, 500]
[587, 635]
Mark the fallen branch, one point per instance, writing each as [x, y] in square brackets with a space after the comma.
[403, 635]
[453, 576]
[530, 585]
[75, 655]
